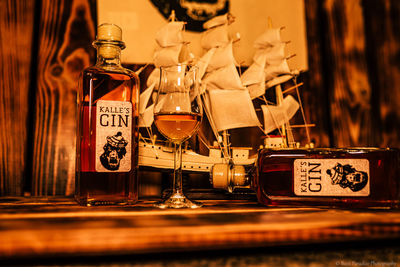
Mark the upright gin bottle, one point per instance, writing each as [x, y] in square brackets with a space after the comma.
[107, 134]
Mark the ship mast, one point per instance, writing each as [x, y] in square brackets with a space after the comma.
[227, 103]
[286, 131]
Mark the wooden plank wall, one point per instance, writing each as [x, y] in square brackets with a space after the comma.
[67, 29]
[382, 28]
[16, 28]
[358, 44]
[351, 90]
[314, 92]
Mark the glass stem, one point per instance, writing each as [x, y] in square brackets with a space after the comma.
[177, 169]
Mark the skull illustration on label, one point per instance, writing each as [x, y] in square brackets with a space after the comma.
[347, 176]
[114, 151]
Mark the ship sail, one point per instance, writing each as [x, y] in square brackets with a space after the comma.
[270, 69]
[146, 113]
[269, 62]
[276, 116]
[227, 101]
[168, 53]
[170, 34]
[231, 109]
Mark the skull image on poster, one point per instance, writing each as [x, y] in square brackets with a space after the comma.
[347, 176]
[114, 151]
[193, 12]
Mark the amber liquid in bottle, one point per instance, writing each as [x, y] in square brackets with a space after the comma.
[349, 178]
[107, 139]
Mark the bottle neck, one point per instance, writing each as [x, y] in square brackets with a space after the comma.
[108, 55]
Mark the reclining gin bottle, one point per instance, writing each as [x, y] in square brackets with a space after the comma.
[347, 178]
[350, 178]
[107, 131]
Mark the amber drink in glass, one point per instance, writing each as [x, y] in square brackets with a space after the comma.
[177, 115]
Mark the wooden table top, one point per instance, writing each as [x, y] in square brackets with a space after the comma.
[31, 227]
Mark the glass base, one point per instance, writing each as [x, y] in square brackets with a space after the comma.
[104, 201]
[178, 201]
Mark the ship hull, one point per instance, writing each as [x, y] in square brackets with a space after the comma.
[161, 157]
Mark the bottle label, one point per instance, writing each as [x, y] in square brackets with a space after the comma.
[113, 136]
[331, 177]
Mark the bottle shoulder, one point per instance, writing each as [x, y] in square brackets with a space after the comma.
[117, 72]
[326, 152]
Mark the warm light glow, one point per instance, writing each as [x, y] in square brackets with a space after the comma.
[179, 81]
[178, 108]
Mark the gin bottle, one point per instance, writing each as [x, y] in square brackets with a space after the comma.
[107, 131]
[348, 177]
[329, 177]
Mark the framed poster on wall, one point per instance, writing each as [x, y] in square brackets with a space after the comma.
[141, 19]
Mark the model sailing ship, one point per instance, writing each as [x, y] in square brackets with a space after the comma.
[269, 70]
[227, 97]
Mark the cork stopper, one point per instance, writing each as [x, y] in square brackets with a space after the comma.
[109, 40]
[228, 177]
[239, 175]
[219, 176]
[109, 32]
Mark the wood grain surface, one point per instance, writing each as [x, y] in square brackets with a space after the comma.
[315, 92]
[58, 227]
[382, 28]
[16, 32]
[67, 29]
[350, 99]
[360, 71]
